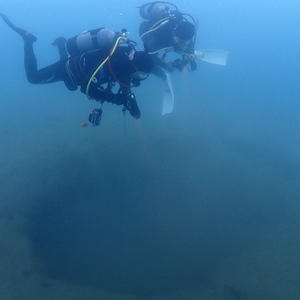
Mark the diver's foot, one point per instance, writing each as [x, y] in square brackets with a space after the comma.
[59, 41]
[27, 36]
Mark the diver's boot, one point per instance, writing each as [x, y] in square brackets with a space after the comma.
[60, 42]
[27, 36]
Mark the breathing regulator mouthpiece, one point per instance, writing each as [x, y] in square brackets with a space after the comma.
[124, 32]
[191, 57]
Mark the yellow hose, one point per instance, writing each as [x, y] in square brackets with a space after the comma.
[97, 70]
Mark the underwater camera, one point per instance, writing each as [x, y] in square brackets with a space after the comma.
[95, 116]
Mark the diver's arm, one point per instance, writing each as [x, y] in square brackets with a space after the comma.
[168, 66]
[98, 94]
[188, 57]
[129, 101]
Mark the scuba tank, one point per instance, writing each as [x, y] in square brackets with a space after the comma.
[91, 40]
[155, 11]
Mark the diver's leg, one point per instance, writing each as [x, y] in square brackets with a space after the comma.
[30, 63]
[52, 73]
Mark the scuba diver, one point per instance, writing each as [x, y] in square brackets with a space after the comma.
[97, 60]
[168, 30]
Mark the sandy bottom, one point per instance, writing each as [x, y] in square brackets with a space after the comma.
[268, 271]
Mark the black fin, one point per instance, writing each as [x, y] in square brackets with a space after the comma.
[27, 36]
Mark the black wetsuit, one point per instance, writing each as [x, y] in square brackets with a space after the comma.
[53, 73]
[160, 37]
[89, 70]
[77, 70]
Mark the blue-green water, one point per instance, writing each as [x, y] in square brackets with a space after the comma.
[199, 204]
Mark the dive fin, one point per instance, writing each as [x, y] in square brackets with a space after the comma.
[8, 22]
[27, 37]
[168, 97]
[218, 57]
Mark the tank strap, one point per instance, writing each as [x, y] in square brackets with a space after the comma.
[94, 37]
[70, 81]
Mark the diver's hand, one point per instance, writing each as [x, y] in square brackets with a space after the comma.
[118, 99]
[170, 67]
[193, 65]
[105, 95]
[177, 64]
[131, 106]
